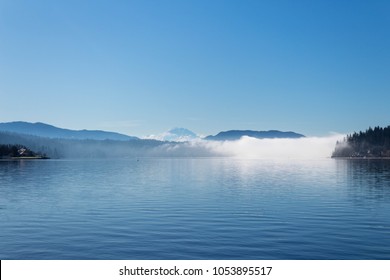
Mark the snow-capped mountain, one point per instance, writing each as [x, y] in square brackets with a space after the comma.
[177, 134]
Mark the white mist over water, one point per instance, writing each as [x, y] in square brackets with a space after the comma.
[248, 147]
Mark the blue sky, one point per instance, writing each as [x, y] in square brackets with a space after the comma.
[143, 67]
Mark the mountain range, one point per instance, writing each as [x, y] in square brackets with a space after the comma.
[174, 135]
[54, 142]
[184, 135]
[49, 131]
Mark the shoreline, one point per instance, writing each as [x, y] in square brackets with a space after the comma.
[23, 158]
[375, 158]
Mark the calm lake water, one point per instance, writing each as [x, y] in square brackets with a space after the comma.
[201, 208]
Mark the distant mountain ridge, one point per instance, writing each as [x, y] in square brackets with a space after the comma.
[232, 135]
[55, 142]
[50, 131]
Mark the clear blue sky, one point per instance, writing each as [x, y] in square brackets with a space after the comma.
[142, 67]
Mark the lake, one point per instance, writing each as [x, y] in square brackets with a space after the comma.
[195, 208]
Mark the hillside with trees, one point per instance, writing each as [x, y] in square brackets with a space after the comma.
[374, 142]
[75, 148]
[50, 131]
[17, 151]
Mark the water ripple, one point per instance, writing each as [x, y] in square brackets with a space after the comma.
[195, 209]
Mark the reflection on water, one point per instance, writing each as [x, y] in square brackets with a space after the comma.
[367, 179]
[201, 208]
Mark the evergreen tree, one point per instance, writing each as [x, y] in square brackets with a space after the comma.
[374, 142]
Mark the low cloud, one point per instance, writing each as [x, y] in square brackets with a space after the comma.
[248, 147]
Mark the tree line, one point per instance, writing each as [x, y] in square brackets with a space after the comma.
[12, 151]
[374, 142]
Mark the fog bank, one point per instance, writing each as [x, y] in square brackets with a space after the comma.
[247, 147]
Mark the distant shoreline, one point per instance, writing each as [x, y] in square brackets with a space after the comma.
[375, 158]
[23, 158]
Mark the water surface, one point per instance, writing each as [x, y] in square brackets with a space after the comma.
[195, 208]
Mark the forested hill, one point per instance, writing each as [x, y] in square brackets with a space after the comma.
[374, 142]
[17, 151]
[75, 148]
[49, 131]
